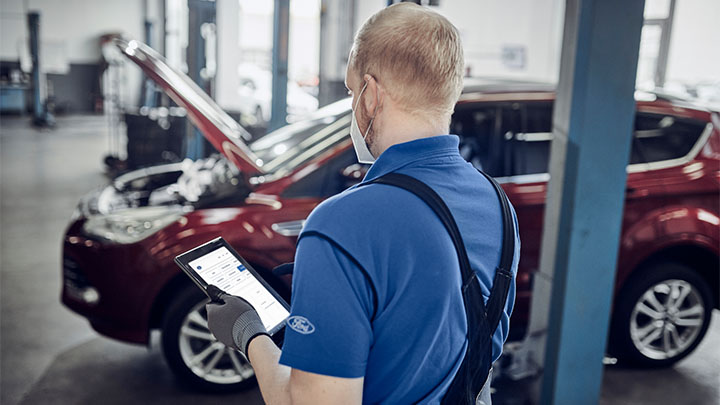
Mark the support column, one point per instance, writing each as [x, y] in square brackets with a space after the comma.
[281, 29]
[40, 115]
[200, 69]
[592, 130]
[336, 38]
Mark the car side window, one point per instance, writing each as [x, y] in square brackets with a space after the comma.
[527, 132]
[661, 137]
[505, 139]
[476, 125]
[513, 139]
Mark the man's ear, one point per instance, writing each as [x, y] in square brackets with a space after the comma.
[373, 96]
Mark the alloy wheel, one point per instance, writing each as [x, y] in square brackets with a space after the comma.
[667, 319]
[205, 356]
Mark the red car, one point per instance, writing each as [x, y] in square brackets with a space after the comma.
[118, 251]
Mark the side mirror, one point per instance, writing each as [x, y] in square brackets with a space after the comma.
[354, 173]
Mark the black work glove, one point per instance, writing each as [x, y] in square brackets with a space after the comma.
[232, 320]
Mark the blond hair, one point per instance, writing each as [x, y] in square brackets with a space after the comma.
[415, 54]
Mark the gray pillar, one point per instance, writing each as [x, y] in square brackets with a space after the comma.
[592, 129]
[281, 28]
[200, 12]
[40, 115]
[336, 38]
[664, 51]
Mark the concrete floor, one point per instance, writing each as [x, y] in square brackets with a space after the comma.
[50, 355]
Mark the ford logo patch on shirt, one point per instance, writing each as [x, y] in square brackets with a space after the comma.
[300, 324]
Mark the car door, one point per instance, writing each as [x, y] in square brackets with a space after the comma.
[526, 129]
[511, 142]
[666, 183]
[527, 133]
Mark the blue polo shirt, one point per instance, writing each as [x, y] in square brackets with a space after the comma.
[376, 284]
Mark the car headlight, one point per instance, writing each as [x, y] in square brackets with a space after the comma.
[131, 225]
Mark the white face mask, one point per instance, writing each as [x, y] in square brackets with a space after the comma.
[358, 139]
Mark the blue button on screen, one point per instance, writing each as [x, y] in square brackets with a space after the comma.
[241, 267]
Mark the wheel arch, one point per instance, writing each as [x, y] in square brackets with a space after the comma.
[698, 258]
[162, 301]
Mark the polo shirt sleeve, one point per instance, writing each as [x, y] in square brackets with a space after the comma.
[329, 330]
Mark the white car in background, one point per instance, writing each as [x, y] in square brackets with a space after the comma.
[255, 96]
[706, 92]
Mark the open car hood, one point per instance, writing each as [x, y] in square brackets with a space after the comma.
[224, 133]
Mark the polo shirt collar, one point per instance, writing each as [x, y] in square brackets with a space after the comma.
[402, 154]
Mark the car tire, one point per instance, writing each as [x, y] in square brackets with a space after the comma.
[661, 315]
[193, 353]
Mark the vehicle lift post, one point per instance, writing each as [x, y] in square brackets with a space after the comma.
[281, 27]
[41, 116]
[336, 38]
[592, 132]
[200, 13]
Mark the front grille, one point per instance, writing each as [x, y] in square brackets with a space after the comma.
[73, 275]
[76, 285]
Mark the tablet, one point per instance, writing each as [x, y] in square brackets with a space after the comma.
[217, 263]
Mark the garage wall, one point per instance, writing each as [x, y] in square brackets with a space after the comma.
[518, 39]
[70, 52]
[694, 54]
[490, 27]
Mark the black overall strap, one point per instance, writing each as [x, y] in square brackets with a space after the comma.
[437, 204]
[503, 274]
[482, 322]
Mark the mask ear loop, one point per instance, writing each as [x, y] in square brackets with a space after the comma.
[377, 99]
[368, 129]
[360, 95]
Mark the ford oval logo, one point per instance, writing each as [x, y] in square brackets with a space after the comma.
[300, 324]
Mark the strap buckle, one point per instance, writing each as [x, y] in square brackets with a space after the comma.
[503, 272]
[467, 282]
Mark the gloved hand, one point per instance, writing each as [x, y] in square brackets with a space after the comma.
[232, 320]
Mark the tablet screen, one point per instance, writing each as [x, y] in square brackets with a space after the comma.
[221, 268]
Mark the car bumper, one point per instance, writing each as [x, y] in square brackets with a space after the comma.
[108, 285]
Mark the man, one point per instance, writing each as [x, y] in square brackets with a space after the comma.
[377, 310]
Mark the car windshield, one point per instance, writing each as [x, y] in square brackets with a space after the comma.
[285, 149]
